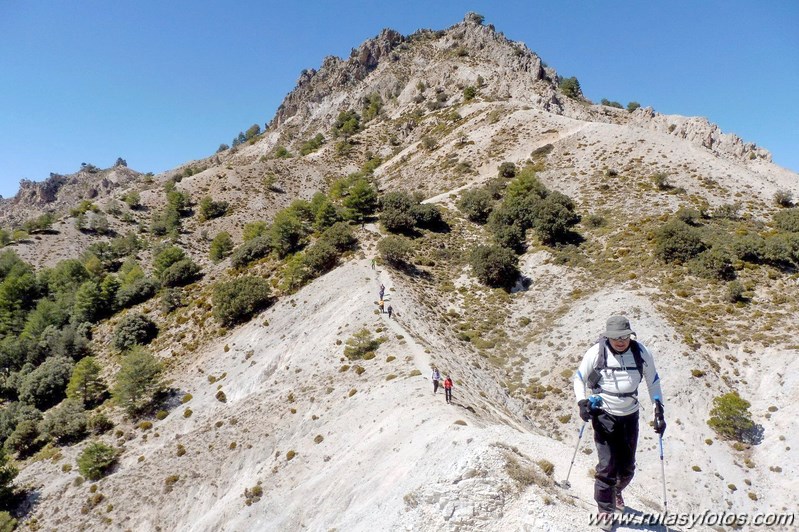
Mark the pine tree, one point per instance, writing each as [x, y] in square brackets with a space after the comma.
[85, 384]
[138, 380]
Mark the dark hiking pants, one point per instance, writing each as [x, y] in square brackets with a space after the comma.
[448, 394]
[616, 439]
[435, 385]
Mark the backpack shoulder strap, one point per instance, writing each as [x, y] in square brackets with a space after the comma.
[635, 347]
[601, 363]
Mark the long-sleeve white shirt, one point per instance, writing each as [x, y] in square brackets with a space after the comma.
[619, 380]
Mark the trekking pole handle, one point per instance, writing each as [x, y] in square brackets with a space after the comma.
[595, 402]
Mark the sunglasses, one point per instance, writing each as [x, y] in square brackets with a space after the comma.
[620, 338]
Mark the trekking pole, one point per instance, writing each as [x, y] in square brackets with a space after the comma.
[565, 483]
[660, 422]
[663, 476]
[595, 402]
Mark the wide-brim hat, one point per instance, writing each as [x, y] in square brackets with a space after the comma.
[617, 326]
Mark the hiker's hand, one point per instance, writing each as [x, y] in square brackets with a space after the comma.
[660, 421]
[585, 409]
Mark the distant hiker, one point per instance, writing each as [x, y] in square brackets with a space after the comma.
[389, 310]
[448, 389]
[380, 306]
[436, 377]
[373, 264]
[382, 291]
[613, 369]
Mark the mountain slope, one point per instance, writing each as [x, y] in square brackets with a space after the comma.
[376, 448]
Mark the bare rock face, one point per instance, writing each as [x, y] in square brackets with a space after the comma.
[59, 192]
[700, 131]
[40, 193]
[336, 75]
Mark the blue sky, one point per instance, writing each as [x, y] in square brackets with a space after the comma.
[163, 82]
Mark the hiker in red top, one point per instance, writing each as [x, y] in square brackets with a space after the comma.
[448, 389]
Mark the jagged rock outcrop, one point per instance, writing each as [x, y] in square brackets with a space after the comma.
[699, 130]
[59, 192]
[335, 74]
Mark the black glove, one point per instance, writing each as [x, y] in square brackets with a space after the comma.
[660, 422]
[585, 409]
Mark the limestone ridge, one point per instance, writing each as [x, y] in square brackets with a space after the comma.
[391, 64]
[60, 192]
[394, 63]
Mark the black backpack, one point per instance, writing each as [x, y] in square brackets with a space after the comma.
[593, 379]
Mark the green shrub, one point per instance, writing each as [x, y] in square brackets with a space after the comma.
[735, 292]
[787, 220]
[221, 246]
[250, 251]
[178, 202]
[571, 87]
[166, 257]
[134, 328]
[360, 199]
[67, 423]
[632, 106]
[180, 273]
[595, 220]
[476, 204]
[609, 103]
[320, 257]
[782, 249]
[495, 266]
[136, 292]
[555, 217]
[427, 215]
[312, 145]
[361, 345]
[469, 93]
[254, 230]
[96, 460]
[372, 106]
[395, 250]
[397, 215]
[713, 263]
[133, 199]
[347, 124]
[237, 300]
[340, 236]
[7, 474]
[750, 248]
[287, 233]
[783, 198]
[25, 440]
[677, 241]
[7, 523]
[39, 224]
[99, 424]
[688, 215]
[46, 385]
[252, 132]
[210, 209]
[507, 229]
[728, 211]
[137, 381]
[507, 170]
[730, 417]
